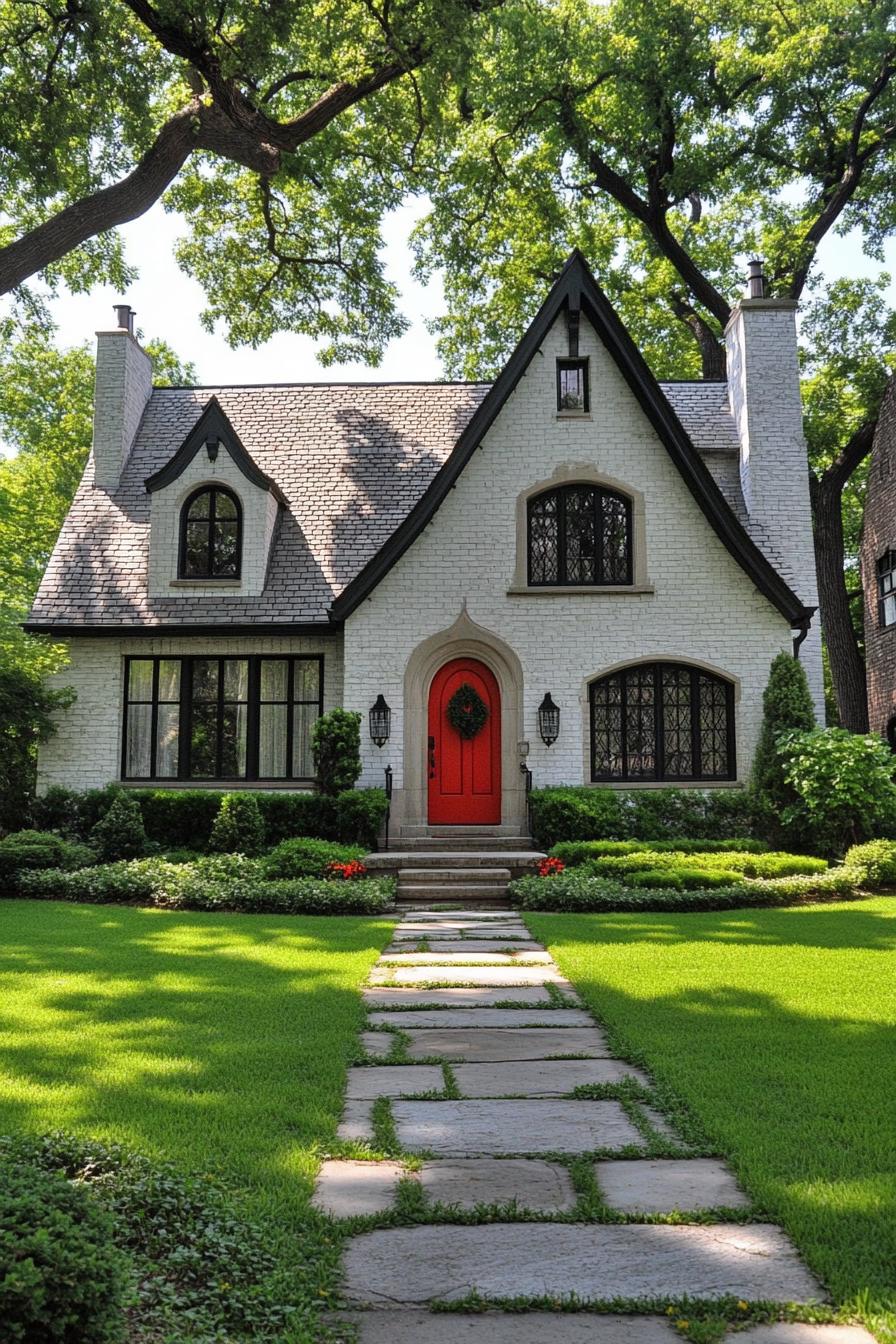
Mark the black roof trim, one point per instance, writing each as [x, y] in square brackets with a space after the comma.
[576, 288]
[171, 629]
[212, 423]
[345, 382]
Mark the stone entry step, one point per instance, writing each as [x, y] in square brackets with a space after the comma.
[592, 1261]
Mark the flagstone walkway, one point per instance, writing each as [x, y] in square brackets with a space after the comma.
[530, 1161]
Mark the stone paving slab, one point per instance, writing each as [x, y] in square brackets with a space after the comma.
[397, 996]
[662, 1185]
[405, 933]
[344, 1189]
[438, 957]
[542, 1187]
[660, 1123]
[472, 949]
[471, 975]
[484, 1044]
[422, 1264]
[393, 1080]
[461, 1128]
[356, 1122]
[541, 1077]
[793, 1332]
[535, 1327]
[464, 1019]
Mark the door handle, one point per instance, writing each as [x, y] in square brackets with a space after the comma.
[432, 758]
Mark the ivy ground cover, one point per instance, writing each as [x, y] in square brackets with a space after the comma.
[775, 1029]
[216, 1042]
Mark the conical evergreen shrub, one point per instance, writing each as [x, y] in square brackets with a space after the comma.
[786, 705]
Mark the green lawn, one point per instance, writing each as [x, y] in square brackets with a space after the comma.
[776, 1028]
[217, 1042]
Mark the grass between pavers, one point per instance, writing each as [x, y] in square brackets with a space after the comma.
[216, 1042]
[775, 1029]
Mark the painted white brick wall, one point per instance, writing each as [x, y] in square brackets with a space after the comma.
[260, 510]
[85, 753]
[764, 394]
[122, 388]
[704, 608]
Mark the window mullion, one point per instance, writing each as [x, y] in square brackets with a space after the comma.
[185, 719]
[696, 736]
[659, 724]
[290, 714]
[154, 720]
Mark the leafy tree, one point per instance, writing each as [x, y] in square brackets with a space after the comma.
[280, 128]
[670, 141]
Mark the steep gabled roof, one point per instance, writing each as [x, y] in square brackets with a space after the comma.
[212, 424]
[576, 290]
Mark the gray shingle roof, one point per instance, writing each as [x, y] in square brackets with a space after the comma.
[351, 460]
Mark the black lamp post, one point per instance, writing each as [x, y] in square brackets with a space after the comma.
[380, 721]
[548, 720]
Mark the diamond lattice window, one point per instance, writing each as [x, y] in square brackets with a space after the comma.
[580, 536]
[662, 721]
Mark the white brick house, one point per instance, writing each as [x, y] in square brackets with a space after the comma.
[574, 536]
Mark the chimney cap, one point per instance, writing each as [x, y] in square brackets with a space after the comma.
[124, 315]
[756, 285]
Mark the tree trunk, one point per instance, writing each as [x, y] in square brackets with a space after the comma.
[844, 655]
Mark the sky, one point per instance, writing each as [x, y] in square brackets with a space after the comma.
[168, 304]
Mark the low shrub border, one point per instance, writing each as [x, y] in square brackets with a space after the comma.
[222, 882]
[577, 889]
[580, 813]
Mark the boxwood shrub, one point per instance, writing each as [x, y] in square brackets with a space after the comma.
[580, 851]
[62, 1279]
[873, 864]
[308, 858]
[571, 813]
[29, 851]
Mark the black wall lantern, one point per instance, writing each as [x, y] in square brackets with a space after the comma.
[380, 721]
[548, 720]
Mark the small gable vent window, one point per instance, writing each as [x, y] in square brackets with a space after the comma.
[210, 538]
[886, 583]
[572, 386]
[580, 535]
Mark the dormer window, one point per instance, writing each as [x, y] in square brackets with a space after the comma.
[572, 386]
[886, 583]
[210, 537]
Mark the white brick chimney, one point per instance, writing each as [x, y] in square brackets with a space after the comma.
[764, 395]
[121, 391]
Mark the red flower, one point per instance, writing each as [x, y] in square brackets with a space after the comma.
[549, 867]
[347, 870]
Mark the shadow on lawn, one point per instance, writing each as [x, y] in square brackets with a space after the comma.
[802, 1104]
[212, 1041]
[843, 925]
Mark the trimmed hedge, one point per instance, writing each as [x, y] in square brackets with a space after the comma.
[220, 882]
[576, 890]
[28, 851]
[185, 817]
[570, 813]
[873, 864]
[580, 851]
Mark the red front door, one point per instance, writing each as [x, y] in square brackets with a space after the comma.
[464, 772]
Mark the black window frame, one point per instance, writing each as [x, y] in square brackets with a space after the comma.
[187, 662]
[565, 363]
[561, 493]
[660, 774]
[212, 490]
[886, 587]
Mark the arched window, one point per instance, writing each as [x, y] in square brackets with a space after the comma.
[666, 721]
[579, 535]
[211, 535]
